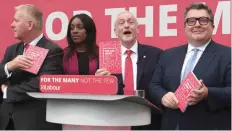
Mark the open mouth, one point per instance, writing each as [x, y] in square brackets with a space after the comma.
[127, 32]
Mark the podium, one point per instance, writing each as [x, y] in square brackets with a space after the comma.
[97, 110]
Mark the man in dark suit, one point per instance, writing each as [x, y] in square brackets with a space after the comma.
[210, 105]
[18, 110]
[138, 66]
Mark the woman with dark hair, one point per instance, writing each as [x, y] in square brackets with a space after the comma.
[81, 55]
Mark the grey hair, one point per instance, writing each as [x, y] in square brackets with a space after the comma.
[123, 13]
[200, 6]
[33, 12]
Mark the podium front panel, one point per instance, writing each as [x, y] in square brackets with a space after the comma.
[97, 113]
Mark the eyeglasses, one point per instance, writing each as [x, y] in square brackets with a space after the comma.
[202, 21]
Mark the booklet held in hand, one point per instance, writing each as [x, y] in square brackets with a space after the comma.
[38, 56]
[110, 56]
[189, 83]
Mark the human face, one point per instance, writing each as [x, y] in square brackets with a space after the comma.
[200, 32]
[78, 32]
[126, 28]
[20, 25]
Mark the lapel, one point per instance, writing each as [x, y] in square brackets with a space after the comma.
[21, 46]
[205, 60]
[141, 62]
[41, 42]
[73, 65]
[20, 49]
[179, 61]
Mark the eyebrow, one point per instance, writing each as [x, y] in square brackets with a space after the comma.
[129, 19]
[121, 20]
[76, 24]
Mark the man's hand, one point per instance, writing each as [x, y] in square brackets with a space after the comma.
[197, 95]
[3, 87]
[21, 62]
[169, 100]
[102, 72]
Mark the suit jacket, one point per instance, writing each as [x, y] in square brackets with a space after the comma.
[148, 57]
[27, 112]
[214, 68]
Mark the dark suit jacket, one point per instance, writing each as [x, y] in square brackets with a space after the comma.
[27, 112]
[214, 68]
[148, 57]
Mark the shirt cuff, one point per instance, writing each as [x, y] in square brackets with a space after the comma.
[4, 93]
[6, 71]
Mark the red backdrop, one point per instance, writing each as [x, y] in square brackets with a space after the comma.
[161, 21]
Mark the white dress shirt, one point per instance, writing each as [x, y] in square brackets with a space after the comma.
[134, 58]
[190, 53]
[8, 74]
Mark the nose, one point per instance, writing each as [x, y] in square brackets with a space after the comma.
[75, 30]
[126, 25]
[197, 23]
[12, 25]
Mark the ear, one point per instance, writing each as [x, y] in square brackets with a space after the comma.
[115, 32]
[213, 26]
[137, 29]
[30, 25]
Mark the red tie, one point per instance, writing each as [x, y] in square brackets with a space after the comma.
[128, 81]
[26, 47]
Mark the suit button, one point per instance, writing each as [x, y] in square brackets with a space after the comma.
[10, 114]
[13, 114]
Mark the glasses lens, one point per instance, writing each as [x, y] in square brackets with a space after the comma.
[203, 20]
[191, 21]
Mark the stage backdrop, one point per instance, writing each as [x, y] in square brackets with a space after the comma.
[161, 21]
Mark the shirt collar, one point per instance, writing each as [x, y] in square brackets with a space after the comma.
[35, 41]
[134, 48]
[200, 48]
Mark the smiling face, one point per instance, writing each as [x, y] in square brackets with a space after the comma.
[126, 28]
[198, 26]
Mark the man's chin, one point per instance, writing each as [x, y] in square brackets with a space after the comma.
[16, 37]
[128, 40]
[199, 41]
[198, 37]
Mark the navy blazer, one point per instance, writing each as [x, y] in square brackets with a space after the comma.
[214, 68]
[148, 57]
